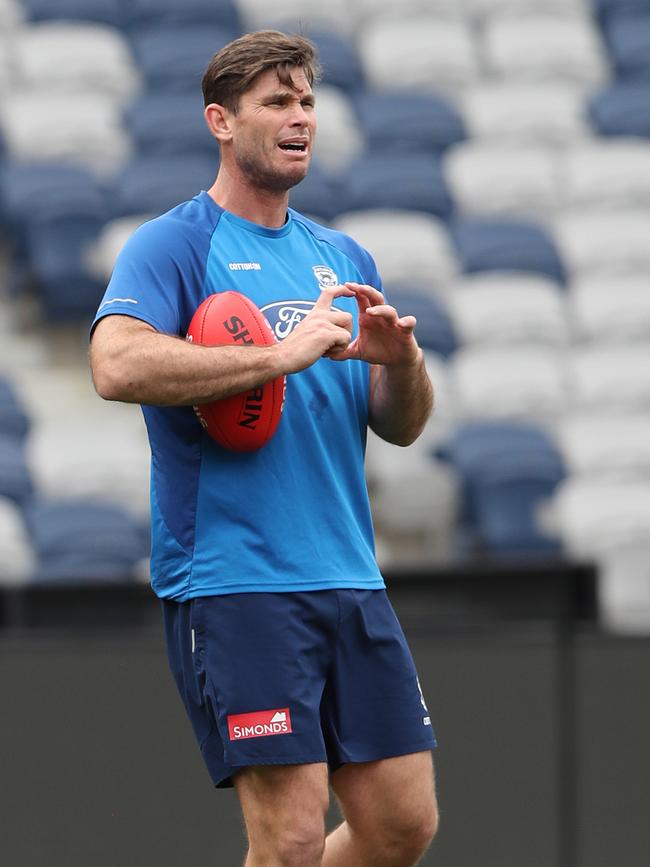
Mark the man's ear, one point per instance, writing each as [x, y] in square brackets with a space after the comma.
[218, 120]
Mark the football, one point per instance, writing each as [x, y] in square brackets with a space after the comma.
[247, 421]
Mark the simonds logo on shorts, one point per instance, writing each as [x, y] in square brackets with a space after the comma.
[259, 724]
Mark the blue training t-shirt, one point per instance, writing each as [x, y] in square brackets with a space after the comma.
[293, 515]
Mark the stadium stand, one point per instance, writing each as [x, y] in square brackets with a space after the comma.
[493, 155]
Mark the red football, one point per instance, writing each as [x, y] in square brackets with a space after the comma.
[247, 421]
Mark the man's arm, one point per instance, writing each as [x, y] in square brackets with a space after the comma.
[401, 394]
[134, 363]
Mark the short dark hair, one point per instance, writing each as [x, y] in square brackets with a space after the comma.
[235, 67]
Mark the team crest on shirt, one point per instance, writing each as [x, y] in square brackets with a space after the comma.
[284, 316]
[325, 276]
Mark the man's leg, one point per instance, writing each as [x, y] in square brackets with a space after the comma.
[390, 812]
[284, 809]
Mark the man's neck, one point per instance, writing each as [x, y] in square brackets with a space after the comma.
[265, 207]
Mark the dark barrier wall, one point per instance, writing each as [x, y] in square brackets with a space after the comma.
[99, 765]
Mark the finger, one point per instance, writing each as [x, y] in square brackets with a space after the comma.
[407, 323]
[383, 311]
[362, 289]
[329, 293]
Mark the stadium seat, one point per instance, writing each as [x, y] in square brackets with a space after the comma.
[83, 128]
[339, 139]
[153, 185]
[169, 123]
[339, 60]
[173, 57]
[616, 377]
[16, 482]
[610, 310]
[409, 182]
[620, 109]
[102, 11]
[545, 47]
[532, 114]
[62, 459]
[113, 235]
[415, 503]
[365, 11]
[66, 287]
[56, 211]
[506, 245]
[210, 13]
[408, 246]
[12, 15]
[508, 382]
[14, 418]
[606, 8]
[628, 38]
[600, 173]
[607, 522]
[419, 54]
[45, 190]
[595, 514]
[497, 180]
[508, 473]
[16, 553]
[317, 196]
[434, 330]
[76, 56]
[83, 540]
[600, 443]
[304, 17]
[605, 244]
[484, 10]
[499, 308]
[402, 122]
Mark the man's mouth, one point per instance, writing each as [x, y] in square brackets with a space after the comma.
[298, 147]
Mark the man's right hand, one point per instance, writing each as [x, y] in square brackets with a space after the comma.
[325, 329]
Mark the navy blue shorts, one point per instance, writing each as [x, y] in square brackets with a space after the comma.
[294, 678]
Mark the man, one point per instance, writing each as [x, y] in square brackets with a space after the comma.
[288, 656]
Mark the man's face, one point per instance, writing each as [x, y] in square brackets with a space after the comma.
[274, 130]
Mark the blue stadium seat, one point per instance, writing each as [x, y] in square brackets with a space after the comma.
[16, 481]
[169, 123]
[174, 57]
[621, 109]
[145, 13]
[434, 329]
[55, 211]
[340, 62]
[83, 540]
[489, 245]
[102, 11]
[14, 419]
[507, 470]
[628, 41]
[152, 185]
[408, 121]
[412, 182]
[606, 9]
[317, 195]
[48, 189]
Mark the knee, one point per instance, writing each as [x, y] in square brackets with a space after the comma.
[300, 848]
[409, 836]
[301, 845]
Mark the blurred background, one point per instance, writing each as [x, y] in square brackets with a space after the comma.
[494, 157]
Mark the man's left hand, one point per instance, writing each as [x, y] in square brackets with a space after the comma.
[384, 337]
